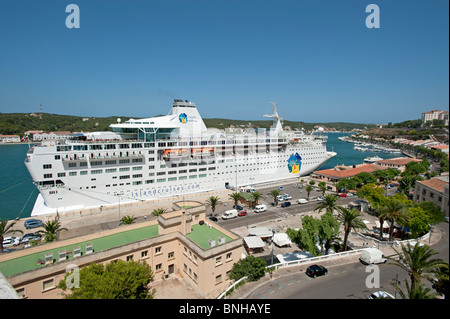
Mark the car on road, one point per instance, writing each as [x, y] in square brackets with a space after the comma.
[280, 198]
[320, 198]
[286, 204]
[30, 237]
[316, 270]
[287, 196]
[33, 223]
[381, 295]
[242, 213]
[213, 218]
[343, 195]
[238, 207]
[10, 241]
[302, 201]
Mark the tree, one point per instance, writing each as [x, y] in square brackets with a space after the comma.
[308, 189]
[396, 210]
[249, 266]
[212, 202]
[328, 232]
[416, 261]
[418, 292]
[6, 229]
[52, 228]
[274, 193]
[256, 197]
[158, 211]
[351, 220]
[235, 197]
[323, 187]
[127, 220]
[116, 280]
[345, 184]
[330, 204]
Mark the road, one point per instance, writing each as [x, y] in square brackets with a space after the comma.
[343, 281]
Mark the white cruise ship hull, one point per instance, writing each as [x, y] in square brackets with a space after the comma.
[93, 173]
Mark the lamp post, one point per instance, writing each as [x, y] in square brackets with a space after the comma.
[271, 255]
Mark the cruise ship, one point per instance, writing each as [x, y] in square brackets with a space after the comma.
[162, 156]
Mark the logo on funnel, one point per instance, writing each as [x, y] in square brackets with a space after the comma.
[183, 118]
[294, 163]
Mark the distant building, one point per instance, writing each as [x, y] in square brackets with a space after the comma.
[340, 172]
[43, 136]
[397, 163]
[435, 115]
[9, 138]
[434, 190]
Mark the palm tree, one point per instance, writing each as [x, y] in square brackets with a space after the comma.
[52, 228]
[212, 202]
[329, 204]
[323, 187]
[418, 292]
[351, 220]
[274, 193]
[6, 229]
[416, 261]
[158, 211]
[235, 197]
[395, 210]
[309, 189]
[127, 220]
[256, 196]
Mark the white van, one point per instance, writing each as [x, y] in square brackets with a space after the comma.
[302, 201]
[260, 208]
[372, 256]
[230, 214]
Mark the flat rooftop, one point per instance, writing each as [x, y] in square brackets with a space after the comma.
[200, 235]
[30, 262]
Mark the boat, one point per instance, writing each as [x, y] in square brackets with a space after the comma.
[372, 160]
[164, 156]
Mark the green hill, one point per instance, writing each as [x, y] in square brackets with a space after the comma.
[18, 123]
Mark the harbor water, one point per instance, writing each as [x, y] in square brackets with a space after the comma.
[18, 194]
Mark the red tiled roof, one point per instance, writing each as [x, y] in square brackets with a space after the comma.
[434, 183]
[399, 161]
[346, 173]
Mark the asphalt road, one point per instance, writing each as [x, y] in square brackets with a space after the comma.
[343, 281]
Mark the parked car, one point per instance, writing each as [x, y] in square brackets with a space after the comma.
[280, 188]
[343, 195]
[214, 219]
[242, 213]
[10, 241]
[280, 198]
[33, 223]
[286, 204]
[30, 237]
[238, 207]
[381, 295]
[302, 201]
[260, 208]
[287, 196]
[316, 270]
[320, 198]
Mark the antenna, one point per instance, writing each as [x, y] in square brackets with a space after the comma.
[277, 126]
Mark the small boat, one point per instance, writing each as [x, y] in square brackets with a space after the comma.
[372, 160]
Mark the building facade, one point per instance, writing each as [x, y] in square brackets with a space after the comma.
[177, 243]
[434, 190]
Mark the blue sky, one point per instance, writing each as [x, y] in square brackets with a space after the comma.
[316, 59]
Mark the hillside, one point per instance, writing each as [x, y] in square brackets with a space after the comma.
[18, 123]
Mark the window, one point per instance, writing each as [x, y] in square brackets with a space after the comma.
[47, 166]
[157, 250]
[144, 253]
[170, 255]
[130, 258]
[218, 279]
[48, 284]
[158, 267]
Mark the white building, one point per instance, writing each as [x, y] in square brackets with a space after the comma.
[9, 138]
[435, 115]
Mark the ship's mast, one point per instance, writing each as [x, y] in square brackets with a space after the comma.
[277, 125]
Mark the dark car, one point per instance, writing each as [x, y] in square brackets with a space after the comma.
[242, 213]
[33, 223]
[238, 207]
[286, 204]
[214, 219]
[316, 270]
[30, 237]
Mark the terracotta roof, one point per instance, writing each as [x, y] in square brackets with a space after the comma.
[440, 146]
[346, 173]
[435, 183]
[399, 161]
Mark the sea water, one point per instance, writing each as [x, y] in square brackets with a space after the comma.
[18, 193]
